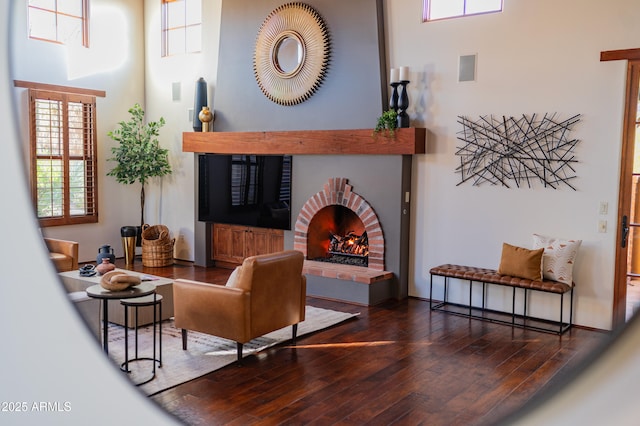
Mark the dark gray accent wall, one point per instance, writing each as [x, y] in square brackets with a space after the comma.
[351, 95]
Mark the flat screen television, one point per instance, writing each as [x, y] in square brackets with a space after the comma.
[251, 190]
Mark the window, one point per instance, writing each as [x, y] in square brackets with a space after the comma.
[63, 157]
[442, 9]
[64, 22]
[181, 26]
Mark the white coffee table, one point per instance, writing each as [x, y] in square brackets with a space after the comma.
[74, 282]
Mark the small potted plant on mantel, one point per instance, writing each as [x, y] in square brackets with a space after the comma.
[139, 156]
[387, 122]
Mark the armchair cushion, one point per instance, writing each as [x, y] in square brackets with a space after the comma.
[232, 281]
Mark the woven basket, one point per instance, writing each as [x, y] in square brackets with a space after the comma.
[157, 247]
[155, 235]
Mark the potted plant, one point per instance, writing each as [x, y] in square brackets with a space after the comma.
[139, 156]
[388, 122]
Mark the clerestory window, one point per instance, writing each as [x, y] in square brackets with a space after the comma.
[59, 21]
[181, 26]
[442, 9]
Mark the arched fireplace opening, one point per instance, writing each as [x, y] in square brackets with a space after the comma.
[337, 235]
[335, 219]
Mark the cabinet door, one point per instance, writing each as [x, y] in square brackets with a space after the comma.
[257, 242]
[264, 241]
[234, 243]
[229, 243]
[276, 240]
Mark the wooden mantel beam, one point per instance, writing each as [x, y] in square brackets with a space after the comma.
[405, 141]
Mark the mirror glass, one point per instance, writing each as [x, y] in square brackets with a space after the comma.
[288, 54]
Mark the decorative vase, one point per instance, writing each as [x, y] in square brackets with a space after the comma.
[105, 251]
[200, 100]
[105, 266]
[206, 116]
[130, 235]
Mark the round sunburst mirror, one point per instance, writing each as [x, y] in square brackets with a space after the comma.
[291, 54]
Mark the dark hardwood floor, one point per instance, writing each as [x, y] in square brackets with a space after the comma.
[396, 363]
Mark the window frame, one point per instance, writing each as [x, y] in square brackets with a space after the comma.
[84, 19]
[165, 29]
[426, 11]
[89, 155]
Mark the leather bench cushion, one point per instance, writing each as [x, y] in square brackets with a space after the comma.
[491, 276]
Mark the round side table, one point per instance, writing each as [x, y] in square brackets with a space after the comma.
[98, 292]
[155, 301]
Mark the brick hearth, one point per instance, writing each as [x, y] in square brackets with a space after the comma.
[357, 274]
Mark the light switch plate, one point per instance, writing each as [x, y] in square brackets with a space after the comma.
[602, 226]
[604, 207]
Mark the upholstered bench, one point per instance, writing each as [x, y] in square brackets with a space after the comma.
[491, 276]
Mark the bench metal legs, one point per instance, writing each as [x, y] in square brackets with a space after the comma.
[526, 321]
[513, 307]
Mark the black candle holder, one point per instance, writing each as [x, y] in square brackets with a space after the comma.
[403, 104]
[393, 102]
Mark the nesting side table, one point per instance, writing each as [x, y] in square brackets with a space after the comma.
[97, 291]
[154, 300]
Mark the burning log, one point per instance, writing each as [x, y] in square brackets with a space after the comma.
[349, 249]
[351, 243]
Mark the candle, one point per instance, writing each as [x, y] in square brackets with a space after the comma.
[404, 73]
[394, 75]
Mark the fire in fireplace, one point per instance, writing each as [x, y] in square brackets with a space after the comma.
[352, 249]
[338, 226]
[337, 235]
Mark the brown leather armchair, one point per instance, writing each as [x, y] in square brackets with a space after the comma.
[268, 292]
[63, 254]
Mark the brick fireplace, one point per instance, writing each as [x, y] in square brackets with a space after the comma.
[337, 209]
[338, 193]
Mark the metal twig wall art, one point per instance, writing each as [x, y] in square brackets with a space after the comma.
[516, 151]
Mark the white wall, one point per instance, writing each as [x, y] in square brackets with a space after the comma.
[534, 57]
[114, 63]
[172, 203]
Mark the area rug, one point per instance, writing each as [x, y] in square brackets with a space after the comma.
[204, 353]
